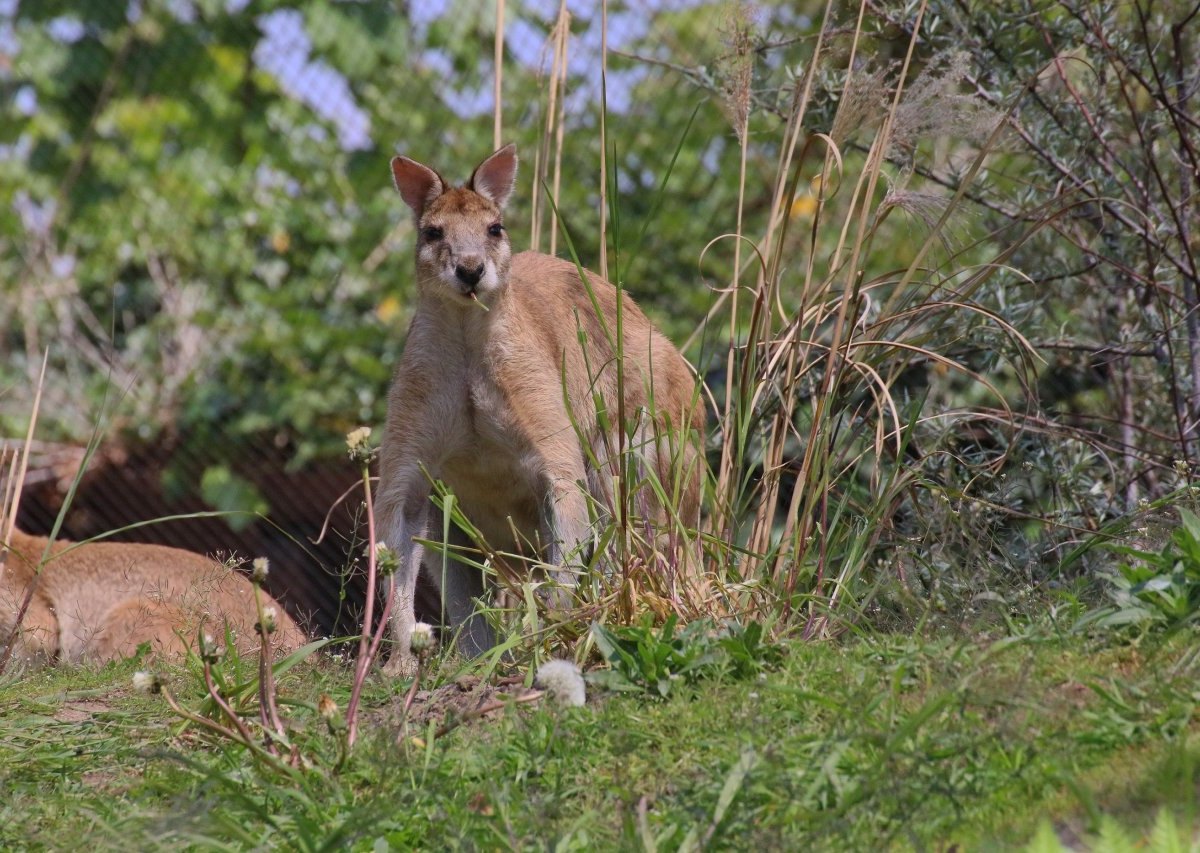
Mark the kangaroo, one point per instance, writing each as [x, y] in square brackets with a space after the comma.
[507, 366]
[98, 601]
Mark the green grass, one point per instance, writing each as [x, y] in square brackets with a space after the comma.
[870, 742]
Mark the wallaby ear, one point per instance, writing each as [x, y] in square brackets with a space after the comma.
[496, 176]
[418, 185]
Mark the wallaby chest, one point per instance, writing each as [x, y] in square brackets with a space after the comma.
[485, 456]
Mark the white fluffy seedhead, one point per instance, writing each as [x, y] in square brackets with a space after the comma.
[563, 681]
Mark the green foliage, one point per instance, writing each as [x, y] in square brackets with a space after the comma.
[658, 661]
[1094, 90]
[747, 650]
[225, 491]
[1166, 836]
[1135, 712]
[1162, 587]
[870, 743]
[181, 221]
[184, 222]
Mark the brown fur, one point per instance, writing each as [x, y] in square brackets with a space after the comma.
[99, 601]
[478, 397]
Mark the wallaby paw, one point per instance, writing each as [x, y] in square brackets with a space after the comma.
[400, 666]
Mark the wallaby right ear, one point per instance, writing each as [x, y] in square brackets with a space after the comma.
[418, 185]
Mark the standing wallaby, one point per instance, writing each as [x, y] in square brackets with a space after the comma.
[509, 364]
[97, 601]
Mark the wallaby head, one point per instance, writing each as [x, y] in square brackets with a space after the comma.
[463, 252]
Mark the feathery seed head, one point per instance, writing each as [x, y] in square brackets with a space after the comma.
[563, 681]
[358, 444]
[145, 681]
[421, 639]
[269, 622]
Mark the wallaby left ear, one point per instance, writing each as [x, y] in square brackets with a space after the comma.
[496, 176]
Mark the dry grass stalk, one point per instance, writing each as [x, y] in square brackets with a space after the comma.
[837, 343]
[552, 135]
[815, 504]
[369, 644]
[17, 469]
[767, 290]
[562, 46]
[6, 498]
[739, 75]
[604, 140]
[8, 514]
[498, 108]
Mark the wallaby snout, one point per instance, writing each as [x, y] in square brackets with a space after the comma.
[469, 271]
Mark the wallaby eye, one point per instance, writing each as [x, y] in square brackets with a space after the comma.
[495, 229]
[432, 234]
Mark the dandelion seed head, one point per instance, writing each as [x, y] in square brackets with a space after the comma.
[563, 681]
[145, 681]
[210, 651]
[387, 561]
[421, 639]
[270, 618]
[358, 444]
[356, 438]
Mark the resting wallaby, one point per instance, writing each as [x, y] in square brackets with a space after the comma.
[98, 601]
[506, 363]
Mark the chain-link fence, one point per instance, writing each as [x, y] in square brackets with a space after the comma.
[196, 224]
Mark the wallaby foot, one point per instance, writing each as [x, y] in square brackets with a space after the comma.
[400, 666]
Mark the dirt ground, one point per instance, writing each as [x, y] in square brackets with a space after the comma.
[464, 701]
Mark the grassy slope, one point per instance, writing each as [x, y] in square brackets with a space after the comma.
[865, 743]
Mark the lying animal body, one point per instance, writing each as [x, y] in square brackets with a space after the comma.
[98, 601]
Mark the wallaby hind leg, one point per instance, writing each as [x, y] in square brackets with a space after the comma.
[460, 585]
[139, 620]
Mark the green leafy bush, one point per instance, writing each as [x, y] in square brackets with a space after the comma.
[656, 661]
[1160, 587]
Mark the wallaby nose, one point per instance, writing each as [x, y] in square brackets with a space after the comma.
[469, 275]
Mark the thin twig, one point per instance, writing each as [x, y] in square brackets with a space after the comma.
[224, 731]
[486, 708]
[366, 648]
[233, 716]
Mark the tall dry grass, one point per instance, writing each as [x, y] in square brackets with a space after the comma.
[811, 450]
